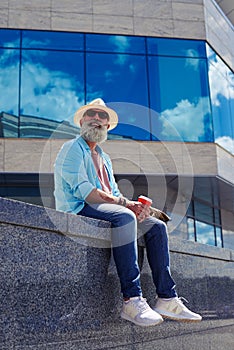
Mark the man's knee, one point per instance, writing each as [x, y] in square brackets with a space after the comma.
[158, 230]
[126, 217]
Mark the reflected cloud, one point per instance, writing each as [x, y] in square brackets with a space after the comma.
[192, 60]
[226, 142]
[121, 43]
[188, 120]
[219, 77]
[47, 93]
[9, 75]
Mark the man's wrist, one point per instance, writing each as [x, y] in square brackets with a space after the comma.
[122, 201]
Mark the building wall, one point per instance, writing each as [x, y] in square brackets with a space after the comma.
[198, 19]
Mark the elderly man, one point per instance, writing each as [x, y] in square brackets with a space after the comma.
[85, 185]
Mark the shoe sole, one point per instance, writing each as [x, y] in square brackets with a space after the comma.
[126, 317]
[180, 319]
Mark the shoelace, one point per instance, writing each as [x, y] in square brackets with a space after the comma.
[180, 300]
[141, 304]
[183, 299]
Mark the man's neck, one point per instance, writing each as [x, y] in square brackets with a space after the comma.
[92, 145]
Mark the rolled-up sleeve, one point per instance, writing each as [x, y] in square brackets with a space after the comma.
[74, 176]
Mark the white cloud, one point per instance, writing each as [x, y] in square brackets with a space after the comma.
[46, 93]
[185, 121]
[221, 79]
[192, 60]
[226, 142]
[121, 42]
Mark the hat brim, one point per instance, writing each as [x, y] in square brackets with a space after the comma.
[113, 121]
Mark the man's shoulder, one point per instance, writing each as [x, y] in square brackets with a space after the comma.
[74, 143]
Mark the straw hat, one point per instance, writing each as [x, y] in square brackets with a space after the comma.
[99, 104]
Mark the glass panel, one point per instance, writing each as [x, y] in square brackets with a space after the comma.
[222, 97]
[218, 237]
[52, 40]
[9, 38]
[114, 78]
[191, 233]
[217, 216]
[228, 238]
[179, 95]
[176, 47]
[115, 43]
[52, 88]
[190, 209]
[205, 233]
[203, 212]
[9, 97]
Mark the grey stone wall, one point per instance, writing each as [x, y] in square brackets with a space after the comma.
[59, 288]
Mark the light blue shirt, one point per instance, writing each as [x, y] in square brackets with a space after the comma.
[75, 175]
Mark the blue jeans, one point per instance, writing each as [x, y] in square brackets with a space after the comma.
[124, 245]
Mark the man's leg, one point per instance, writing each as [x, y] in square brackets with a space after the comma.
[124, 244]
[168, 304]
[156, 241]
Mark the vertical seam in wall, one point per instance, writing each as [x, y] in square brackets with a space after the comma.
[8, 14]
[92, 26]
[50, 14]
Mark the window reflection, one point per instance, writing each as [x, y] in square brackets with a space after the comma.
[191, 230]
[52, 84]
[115, 43]
[218, 233]
[167, 76]
[221, 81]
[179, 93]
[9, 76]
[52, 40]
[203, 224]
[114, 78]
[205, 233]
[176, 47]
[9, 38]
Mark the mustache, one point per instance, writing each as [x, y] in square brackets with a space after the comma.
[96, 124]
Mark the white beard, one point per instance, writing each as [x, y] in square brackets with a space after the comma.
[93, 133]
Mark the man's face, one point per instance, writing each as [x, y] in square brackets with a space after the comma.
[94, 125]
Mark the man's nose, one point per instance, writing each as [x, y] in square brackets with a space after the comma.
[96, 116]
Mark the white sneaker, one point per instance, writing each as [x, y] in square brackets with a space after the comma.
[139, 312]
[174, 309]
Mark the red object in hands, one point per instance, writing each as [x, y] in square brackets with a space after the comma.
[145, 200]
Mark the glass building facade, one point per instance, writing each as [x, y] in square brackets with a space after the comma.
[46, 76]
[162, 89]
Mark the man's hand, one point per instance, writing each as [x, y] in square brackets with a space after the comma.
[141, 211]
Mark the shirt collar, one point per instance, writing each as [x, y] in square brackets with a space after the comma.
[86, 146]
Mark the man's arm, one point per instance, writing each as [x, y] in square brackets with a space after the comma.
[98, 196]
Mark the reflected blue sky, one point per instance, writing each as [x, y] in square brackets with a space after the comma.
[173, 83]
[9, 81]
[52, 83]
[221, 80]
[52, 40]
[205, 233]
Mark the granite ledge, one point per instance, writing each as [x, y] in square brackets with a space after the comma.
[183, 246]
[91, 232]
